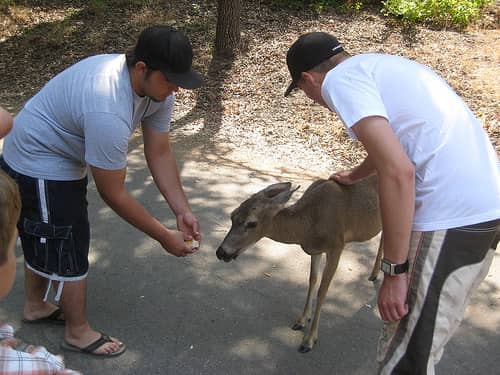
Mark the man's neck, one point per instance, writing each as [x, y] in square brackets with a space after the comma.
[136, 81]
[339, 58]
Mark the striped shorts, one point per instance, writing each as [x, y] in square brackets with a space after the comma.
[446, 267]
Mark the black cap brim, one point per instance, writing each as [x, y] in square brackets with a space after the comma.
[291, 87]
[187, 80]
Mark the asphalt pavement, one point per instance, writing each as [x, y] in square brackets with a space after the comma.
[200, 316]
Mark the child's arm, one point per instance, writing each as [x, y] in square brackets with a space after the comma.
[5, 122]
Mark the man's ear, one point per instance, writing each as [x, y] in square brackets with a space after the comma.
[307, 77]
[313, 78]
[141, 67]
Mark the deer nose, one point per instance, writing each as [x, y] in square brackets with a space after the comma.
[220, 253]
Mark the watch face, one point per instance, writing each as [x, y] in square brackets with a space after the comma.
[393, 269]
[386, 268]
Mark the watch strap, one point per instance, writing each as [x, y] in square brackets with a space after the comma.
[393, 268]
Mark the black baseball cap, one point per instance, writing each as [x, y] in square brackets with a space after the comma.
[309, 50]
[168, 50]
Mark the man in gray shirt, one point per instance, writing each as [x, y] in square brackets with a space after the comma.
[83, 117]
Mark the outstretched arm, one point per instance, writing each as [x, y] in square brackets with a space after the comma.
[396, 175]
[161, 161]
[111, 187]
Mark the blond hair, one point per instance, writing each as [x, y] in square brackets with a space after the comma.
[10, 208]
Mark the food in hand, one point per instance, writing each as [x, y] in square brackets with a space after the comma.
[193, 244]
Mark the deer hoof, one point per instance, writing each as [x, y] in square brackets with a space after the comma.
[304, 349]
[298, 327]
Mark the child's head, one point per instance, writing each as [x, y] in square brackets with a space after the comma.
[10, 207]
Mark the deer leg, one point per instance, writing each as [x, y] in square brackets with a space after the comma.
[332, 261]
[313, 280]
[378, 260]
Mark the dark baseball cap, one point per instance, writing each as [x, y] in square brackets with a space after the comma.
[168, 50]
[308, 51]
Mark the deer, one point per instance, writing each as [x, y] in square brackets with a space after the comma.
[324, 219]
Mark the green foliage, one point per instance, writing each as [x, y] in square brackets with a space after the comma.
[438, 12]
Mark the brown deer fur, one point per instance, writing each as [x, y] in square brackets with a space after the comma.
[323, 220]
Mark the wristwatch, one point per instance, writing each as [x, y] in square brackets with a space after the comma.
[393, 268]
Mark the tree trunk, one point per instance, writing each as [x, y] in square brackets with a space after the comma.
[227, 37]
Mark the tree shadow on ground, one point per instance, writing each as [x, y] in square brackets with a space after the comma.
[209, 104]
[53, 35]
[407, 30]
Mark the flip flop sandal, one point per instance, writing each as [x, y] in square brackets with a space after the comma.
[92, 347]
[54, 318]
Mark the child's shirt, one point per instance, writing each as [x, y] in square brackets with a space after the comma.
[17, 357]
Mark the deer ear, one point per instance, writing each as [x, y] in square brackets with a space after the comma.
[275, 189]
[285, 195]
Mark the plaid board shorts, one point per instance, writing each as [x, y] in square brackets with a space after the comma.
[53, 226]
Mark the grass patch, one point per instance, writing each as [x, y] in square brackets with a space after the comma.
[444, 13]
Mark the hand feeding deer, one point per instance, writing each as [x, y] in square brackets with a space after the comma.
[323, 220]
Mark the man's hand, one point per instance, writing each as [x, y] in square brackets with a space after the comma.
[392, 297]
[343, 177]
[173, 242]
[188, 224]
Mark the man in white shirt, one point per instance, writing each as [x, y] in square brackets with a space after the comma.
[83, 117]
[439, 188]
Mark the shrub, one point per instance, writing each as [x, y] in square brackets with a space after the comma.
[438, 12]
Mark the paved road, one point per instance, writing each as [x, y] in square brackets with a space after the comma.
[201, 316]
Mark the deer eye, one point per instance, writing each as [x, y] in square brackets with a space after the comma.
[251, 224]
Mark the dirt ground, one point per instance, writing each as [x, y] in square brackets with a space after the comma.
[241, 110]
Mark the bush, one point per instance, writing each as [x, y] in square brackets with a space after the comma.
[438, 12]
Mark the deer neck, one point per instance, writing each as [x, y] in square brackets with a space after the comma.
[288, 227]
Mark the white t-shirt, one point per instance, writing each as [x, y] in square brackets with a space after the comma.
[84, 115]
[457, 168]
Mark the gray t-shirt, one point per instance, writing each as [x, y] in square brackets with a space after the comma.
[84, 115]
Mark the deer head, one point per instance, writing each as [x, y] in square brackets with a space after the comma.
[253, 219]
